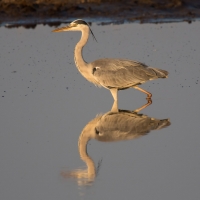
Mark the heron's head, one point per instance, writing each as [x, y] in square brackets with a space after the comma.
[77, 25]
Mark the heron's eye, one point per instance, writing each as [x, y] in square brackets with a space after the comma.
[96, 131]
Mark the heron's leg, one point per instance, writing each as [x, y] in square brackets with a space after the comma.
[149, 102]
[149, 95]
[114, 93]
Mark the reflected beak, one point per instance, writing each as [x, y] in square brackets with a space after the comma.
[62, 29]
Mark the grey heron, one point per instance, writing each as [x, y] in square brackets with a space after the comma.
[112, 74]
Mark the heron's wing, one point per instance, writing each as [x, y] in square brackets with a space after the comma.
[120, 73]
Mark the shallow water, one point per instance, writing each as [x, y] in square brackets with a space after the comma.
[45, 105]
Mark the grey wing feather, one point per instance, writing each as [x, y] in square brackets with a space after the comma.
[122, 73]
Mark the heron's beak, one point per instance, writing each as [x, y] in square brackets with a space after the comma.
[66, 28]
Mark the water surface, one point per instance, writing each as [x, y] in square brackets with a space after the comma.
[45, 105]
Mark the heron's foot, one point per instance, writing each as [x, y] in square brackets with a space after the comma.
[149, 97]
[149, 101]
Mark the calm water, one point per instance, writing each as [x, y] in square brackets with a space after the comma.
[45, 104]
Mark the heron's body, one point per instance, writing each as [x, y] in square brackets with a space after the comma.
[123, 74]
[112, 74]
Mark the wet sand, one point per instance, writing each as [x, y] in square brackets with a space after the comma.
[29, 13]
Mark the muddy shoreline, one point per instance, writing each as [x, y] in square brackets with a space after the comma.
[30, 13]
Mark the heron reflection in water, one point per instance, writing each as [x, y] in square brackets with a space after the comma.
[109, 127]
[112, 74]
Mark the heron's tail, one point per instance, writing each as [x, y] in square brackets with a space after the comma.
[160, 73]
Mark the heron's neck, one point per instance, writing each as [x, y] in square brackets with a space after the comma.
[78, 58]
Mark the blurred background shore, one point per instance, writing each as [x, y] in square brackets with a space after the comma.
[54, 11]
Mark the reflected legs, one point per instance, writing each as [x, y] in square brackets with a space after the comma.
[115, 107]
[149, 102]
